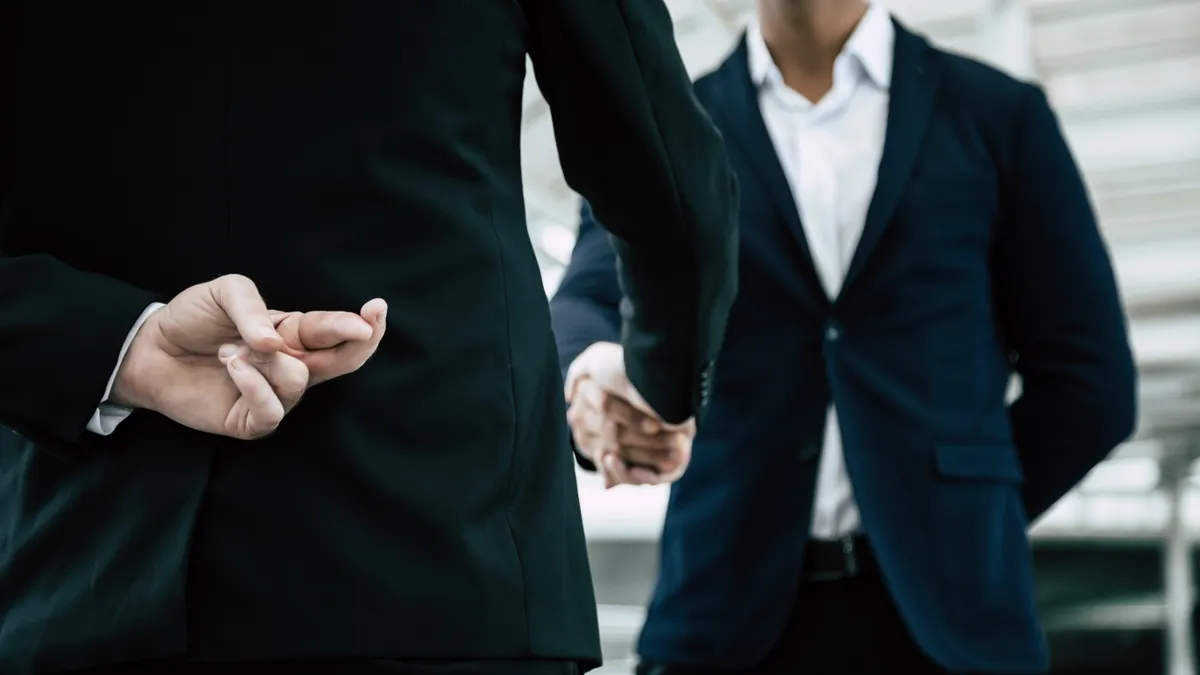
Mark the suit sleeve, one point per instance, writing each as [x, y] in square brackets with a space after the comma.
[61, 329]
[1062, 315]
[61, 333]
[635, 142]
[586, 308]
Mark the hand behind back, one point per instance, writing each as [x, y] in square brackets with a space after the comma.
[216, 360]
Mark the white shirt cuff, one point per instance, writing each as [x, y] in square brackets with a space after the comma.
[107, 416]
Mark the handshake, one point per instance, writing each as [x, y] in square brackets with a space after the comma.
[215, 359]
[616, 429]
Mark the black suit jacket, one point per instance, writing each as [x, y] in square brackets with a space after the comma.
[425, 507]
[980, 256]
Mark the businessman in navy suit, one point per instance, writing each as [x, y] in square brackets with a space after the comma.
[914, 231]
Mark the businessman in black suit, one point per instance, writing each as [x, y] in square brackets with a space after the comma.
[172, 175]
[913, 232]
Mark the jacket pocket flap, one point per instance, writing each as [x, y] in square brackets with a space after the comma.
[995, 461]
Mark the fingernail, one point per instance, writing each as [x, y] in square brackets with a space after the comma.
[383, 314]
[237, 363]
[649, 426]
[227, 352]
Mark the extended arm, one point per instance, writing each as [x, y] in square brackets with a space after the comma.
[586, 308]
[635, 142]
[1062, 315]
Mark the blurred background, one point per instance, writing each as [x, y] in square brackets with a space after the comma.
[1115, 559]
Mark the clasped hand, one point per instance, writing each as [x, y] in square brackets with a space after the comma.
[217, 360]
[616, 429]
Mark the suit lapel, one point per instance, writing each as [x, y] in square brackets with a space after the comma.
[746, 127]
[915, 77]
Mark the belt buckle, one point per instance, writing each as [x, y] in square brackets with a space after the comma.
[850, 566]
[849, 555]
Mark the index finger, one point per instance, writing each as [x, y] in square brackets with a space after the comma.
[349, 356]
[239, 298]
[322, 330]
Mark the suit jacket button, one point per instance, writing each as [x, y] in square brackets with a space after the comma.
[832, 332]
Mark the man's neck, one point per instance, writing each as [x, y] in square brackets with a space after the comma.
[806, 36]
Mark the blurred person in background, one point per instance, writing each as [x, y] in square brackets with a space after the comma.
[913, 231]
[165, 506]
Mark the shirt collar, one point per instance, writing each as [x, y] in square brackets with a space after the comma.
[871, 45]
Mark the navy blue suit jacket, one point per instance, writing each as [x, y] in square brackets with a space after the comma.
[980, 257]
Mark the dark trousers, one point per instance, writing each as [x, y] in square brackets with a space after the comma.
[844, 627]
[371, 667]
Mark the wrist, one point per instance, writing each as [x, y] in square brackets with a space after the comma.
[134, 386]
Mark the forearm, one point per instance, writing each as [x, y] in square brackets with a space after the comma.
[62, 332]
[108, 414]
[636, 143]
[1063, 429]
[578, 324]
[1060, 312]
[585, 308]
[677, 293]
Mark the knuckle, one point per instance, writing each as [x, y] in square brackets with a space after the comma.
[235, 280]
[286, 322]
[291, 376]
[293, 388]
[270, 420]
[587, 388]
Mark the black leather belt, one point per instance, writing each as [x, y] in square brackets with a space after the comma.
[843, 558]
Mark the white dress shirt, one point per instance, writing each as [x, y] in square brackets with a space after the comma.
[830, 152]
